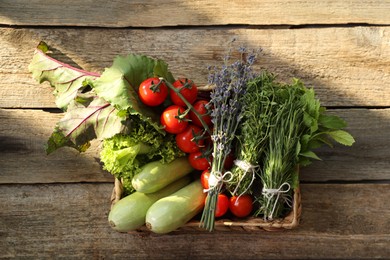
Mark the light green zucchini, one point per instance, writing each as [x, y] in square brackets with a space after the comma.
[156, 175]
[129, 212]
[175, 210]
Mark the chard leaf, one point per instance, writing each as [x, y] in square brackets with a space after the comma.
[119, 83]
[342, 137]
[84, 123]
[331, 122]
[66, 80]
[58, 140]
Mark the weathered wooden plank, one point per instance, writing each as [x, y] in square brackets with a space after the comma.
[70, 221]
[347, 66]
[23, 134]
[157, 13]
[367, 159]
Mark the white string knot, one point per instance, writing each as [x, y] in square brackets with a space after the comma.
[269, 193]
[247, 168]
[217, 179]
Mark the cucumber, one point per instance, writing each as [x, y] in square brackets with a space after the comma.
[173, 211]
[156, 175]
[129, 212]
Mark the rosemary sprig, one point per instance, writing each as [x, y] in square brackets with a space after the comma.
[281, 156]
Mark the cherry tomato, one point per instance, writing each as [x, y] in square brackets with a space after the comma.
[198, 162]
[241, 206]
[199, 106]
[151, 93]
[204, 179]
[222, 205]
[189, 93]
[185, 142]
[171, 123]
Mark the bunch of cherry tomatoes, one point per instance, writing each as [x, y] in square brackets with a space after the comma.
[190, 134]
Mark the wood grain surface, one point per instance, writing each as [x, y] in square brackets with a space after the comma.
[24, 133]
[47, 221]
[346, 66]
[157, 13]
[56, 206]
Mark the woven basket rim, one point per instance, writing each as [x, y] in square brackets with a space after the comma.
[290, 221]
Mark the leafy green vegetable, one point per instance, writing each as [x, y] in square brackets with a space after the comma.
[119, 84]
[85, 122]
[124, 154]
[321, 128]
[282, 126]
[331, 121]
[342, 137]
[97, 106]
[258, 106]
[66, 80]
[281, 151]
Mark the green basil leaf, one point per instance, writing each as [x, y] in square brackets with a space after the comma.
[342, 137]
[310, 154]
[331, 122]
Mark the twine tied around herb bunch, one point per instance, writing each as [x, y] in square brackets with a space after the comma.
[247, 168]
[217, 179]
[269, 193]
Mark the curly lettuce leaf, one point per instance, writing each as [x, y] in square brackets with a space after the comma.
[66, 80]
[123, 155]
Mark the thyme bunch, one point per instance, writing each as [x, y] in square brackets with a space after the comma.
[225, 99]
[253, 136]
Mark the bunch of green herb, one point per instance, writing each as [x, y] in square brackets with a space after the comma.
[230, 85]
[320, 128]
[281, 153]
[253, 135]
[292, 124]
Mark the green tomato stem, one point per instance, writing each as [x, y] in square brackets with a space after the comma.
[188, 104]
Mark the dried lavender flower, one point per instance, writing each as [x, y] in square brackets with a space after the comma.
[230, 85]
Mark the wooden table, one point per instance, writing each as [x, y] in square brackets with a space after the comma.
[56, 206]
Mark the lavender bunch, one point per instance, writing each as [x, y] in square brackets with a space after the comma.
[227, 111]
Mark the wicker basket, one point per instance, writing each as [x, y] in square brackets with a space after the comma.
[249, 224]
